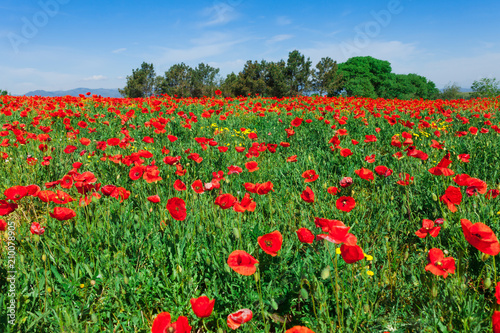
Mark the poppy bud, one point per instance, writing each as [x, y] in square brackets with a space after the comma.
[434, 291]
[487, 283]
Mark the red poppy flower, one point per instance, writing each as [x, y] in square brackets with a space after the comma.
[370, 158]
[382, 170]
[108, 189]
[338, 233]
[271, 243]
[464, 158]
[332, 190]
[462, 179]
[154, 198]
[370, 138]
[264, 188]
[33, 190]
[481, 237]
[197, 186]
[242, 262]
[113, 141]
[428, 228]
[66, 182]
[345, 204]
[292, 158]
[225, 201]
[492, 194]
[179, 185]
[305, 235]
[202, 306]
[62, 198]
[495, 321]
[172, 138]
[234, 169]
[296, 122]
[177, 208]
[351, 253]
[364, 173]
[162, 324]
[148, 139]
[442, 167]
[310, 176]
[218, 92]
[16, 192]
[475, 185]
[69, 149]
[252, 166]
[299, 329]
[236, 319]
[246, 204]
[345, 152]
[36, 229]
[171, 160]
[240, 149]
[63, 213]
[120, 194]
[451, 197]
[136, 172]
[346, 182]
[307, 195]
[85, 141]
[407, 180]
[439, 265]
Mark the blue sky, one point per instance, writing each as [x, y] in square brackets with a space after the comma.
[65, 44]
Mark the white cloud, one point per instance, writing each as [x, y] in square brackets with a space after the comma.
[95, 78]
[220, 13]
[123, 49]
[283, 20]
[278, 38]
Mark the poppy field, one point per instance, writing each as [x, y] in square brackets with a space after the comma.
[303, 214]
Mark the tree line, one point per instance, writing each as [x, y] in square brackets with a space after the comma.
[358, 76]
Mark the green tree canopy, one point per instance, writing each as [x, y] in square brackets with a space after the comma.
[176, 82]
[486, 87]
[141, 83]
[298, 73]
[450, 91]
[3, 92]
[326, 78]
[360, 71]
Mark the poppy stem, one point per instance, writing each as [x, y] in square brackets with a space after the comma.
[259, 291]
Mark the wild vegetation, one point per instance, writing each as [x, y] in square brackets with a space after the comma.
[298, 214]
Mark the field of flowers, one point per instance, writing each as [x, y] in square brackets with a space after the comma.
[305, 214]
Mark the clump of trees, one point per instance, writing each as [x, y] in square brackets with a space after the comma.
[3, 92]
[358, 76]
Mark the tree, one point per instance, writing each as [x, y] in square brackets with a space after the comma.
[326, 79]
[450, 91]
[486, 87]
[274, 79]
[298, 73]
[252, 79]
[359, 71]
[177, 81]
[228, 86]
[141, 83]
[204, 80]
[425, 89]
[3, 92]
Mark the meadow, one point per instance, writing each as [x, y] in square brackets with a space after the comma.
[303, 214]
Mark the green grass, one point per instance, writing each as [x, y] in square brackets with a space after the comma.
[117, 265]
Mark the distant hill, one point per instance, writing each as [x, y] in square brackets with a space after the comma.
[75, 92]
